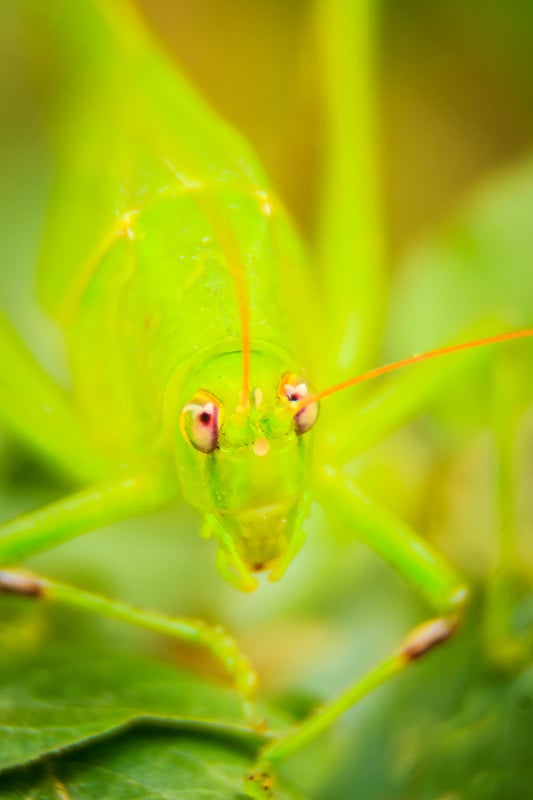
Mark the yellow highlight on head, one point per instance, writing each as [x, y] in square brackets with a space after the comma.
[261, 447]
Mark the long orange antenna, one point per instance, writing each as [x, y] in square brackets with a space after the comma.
[238, 275]
[406, 362]
[243, 304]
[234, 261]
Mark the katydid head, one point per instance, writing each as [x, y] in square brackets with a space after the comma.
[243, 462]
[243, 455]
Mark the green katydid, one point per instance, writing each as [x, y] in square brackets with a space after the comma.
[188, 353]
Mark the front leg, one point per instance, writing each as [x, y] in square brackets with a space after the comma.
[394, 541]
[38, 412]
[421, 566]
[90, 509]
[214, 638]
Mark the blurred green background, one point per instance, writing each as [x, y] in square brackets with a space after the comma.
[455, 108]
[455, 93]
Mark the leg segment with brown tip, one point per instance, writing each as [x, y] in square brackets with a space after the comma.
[419, 642]
[421, 566]
[214, 638]
[21, 582]
[89, 509]
[427, 636]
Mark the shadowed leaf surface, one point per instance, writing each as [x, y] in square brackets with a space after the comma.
[141, 765]
[58, 694]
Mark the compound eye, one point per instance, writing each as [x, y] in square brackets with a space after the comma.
[294, 389]
[200, 422]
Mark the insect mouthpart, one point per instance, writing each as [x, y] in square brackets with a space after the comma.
[258, 540]
[261, 447]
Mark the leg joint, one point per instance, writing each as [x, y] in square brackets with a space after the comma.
[427, 636]
[21, 582]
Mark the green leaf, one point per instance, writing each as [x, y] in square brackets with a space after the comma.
[61, 693]
[141, 765]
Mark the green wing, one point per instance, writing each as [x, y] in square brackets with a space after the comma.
[117, 102]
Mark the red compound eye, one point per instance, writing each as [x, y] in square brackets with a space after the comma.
[200, 422]
[294, 389]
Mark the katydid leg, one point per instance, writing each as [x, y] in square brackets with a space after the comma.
[424, 568]
[84, 511]
[422, 639]
[213, 638]
[92, 508]
[34, 409]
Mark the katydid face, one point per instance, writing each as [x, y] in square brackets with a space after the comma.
[243, 463]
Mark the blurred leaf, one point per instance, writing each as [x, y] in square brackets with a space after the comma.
[479, 267]
[59, 695]
[141, 765]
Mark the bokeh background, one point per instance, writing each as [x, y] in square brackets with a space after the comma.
[455, 110]
[455, 93]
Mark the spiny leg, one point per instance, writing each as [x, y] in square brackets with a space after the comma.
[421, 566]
[260, 782]
[34, 409]
[89, 509]
[94, 508]
[213, 638]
